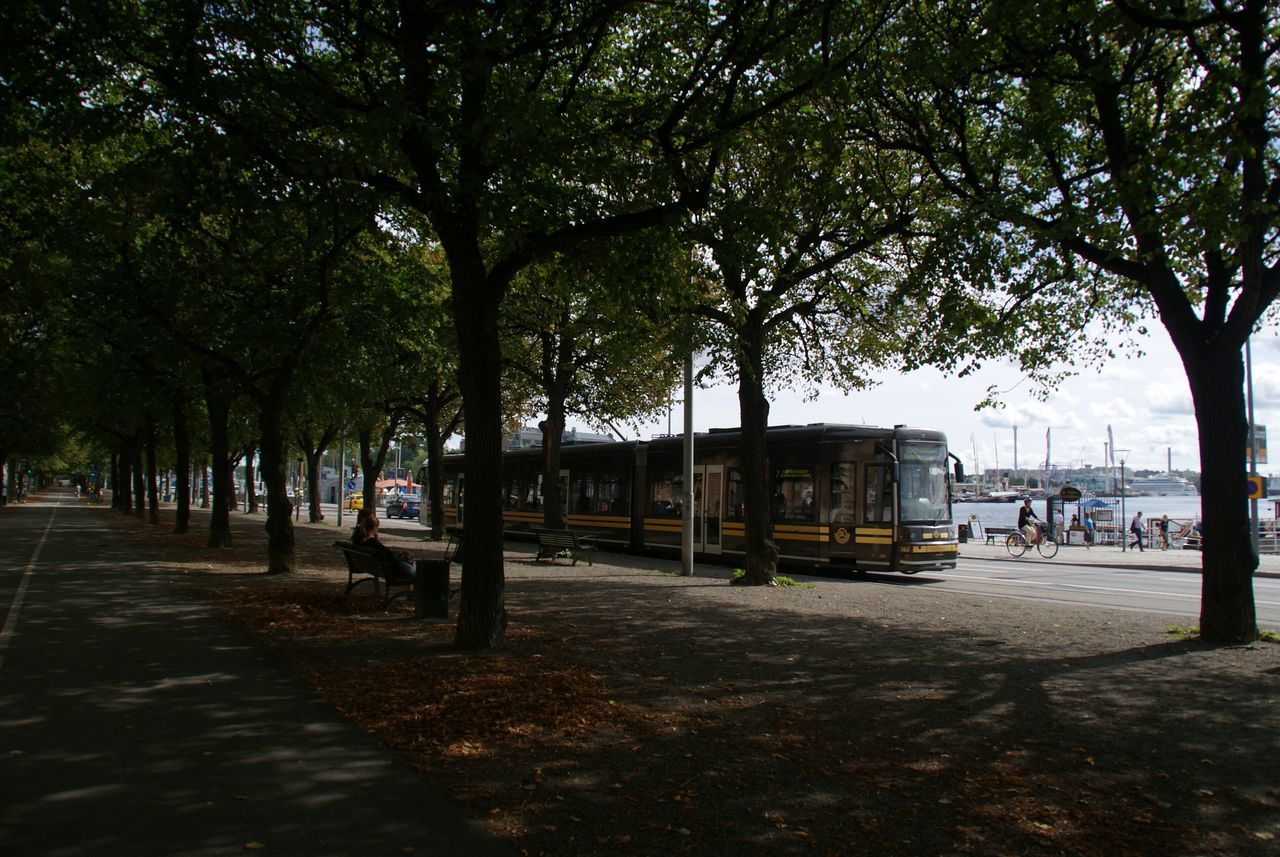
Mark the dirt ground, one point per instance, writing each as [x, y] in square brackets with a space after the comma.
[635, 711]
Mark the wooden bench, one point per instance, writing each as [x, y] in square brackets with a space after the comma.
[997, 535]
[554, 543]
[382, 569]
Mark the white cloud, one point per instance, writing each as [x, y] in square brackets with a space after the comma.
[1145, 400]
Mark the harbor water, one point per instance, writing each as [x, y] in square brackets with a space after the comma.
[1180, 508]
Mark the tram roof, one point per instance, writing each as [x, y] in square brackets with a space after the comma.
[811, 433]
[724, 437]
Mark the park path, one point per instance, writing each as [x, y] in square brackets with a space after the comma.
[134, 722]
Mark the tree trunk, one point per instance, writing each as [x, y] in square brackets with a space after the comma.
[1227, 611]
[482, 613]
[182, 452]
[372, 467]
[153, 482]
[552, 437]
[314, 452]
[139, 475]
[433, 496]
[250, 480]
[220, 453]
[121, 481]
[281, 543]
[761, 551]
[205, 499]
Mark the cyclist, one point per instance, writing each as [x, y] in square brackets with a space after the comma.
[1026, 515]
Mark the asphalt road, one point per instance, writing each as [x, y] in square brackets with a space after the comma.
[1175, 592]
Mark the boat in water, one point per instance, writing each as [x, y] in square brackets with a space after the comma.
[1166, 485]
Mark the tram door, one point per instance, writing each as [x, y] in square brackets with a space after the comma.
[564, 496]
[708, 501]
[461, 483]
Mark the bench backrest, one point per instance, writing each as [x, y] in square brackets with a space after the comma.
[557, 537]
[362, 559]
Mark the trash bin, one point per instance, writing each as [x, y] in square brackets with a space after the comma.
[431, 588]
[963, 533]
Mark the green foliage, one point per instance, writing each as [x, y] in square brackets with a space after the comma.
[1193, 631]
[595, 331]
[779, 580]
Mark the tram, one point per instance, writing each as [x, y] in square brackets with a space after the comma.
[853, 497]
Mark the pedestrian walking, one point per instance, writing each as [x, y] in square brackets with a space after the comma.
[1135, 528]
[1163, 526]
[1088, 531]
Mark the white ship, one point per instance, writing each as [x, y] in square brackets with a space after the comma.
[1167, 485]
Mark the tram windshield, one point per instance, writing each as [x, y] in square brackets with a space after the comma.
[923, 483]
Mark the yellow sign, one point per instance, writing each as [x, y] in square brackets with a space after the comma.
[842, 536]
[1257, 488]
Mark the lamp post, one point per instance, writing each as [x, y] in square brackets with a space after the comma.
[1253, 443]
[686, 523]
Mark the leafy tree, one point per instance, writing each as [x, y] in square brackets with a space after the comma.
[1134, 144]
[814, 247]
[509, 126]
[588, 336]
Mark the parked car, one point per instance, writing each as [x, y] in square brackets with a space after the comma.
[403, 506]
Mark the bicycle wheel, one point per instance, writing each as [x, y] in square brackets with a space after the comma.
[1016, 544]
[1048, 548]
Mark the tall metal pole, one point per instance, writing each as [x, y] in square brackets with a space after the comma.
[1253, 442]
[686, 522]
[342, 477]
[1124, 515]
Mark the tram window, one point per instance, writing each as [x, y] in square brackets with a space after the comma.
[879, 508]
[612, 497]
[793, 495]
[735, 494]
[511, 497]
[584, 494]
[844, 497]
[448, 496]
[664, 495]
[533, 492]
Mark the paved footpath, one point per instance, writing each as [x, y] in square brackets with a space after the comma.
[134, 722]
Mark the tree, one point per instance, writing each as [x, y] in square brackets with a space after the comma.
[518, 131]
[812, 249]
[589, 335]
[1135, 143]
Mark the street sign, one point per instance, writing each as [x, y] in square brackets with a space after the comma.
[1257, 488]
[1260, 438]
[351, 485]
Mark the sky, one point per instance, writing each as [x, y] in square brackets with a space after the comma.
[1144, 399]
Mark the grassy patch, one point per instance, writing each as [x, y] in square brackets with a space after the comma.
[1189, 631]
[779, 581]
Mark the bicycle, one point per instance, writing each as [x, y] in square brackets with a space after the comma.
[1017, 545]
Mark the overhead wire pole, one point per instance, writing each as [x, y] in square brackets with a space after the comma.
[686, 520]
[342, 474]
[1253, 444]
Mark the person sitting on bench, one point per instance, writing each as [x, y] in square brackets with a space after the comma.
[366, 535]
